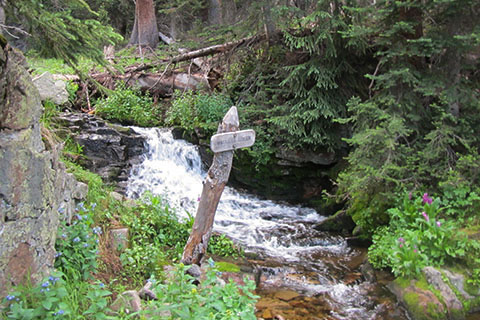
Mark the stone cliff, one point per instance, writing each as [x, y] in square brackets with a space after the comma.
[35, 189]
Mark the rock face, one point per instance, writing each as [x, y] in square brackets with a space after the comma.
[35, 190]
[441, 295]
[109, 150]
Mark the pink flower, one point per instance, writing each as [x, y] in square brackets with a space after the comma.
[410, 195]
[414, 250]
[439, 223]
[425, 215]
[401, 245]
[427, 199]
[401, 239]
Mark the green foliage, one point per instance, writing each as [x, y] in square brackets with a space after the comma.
[128, 106]
[153, 227]
[418, 235]
[50, 110]
[64, 31]
[220, 244]
[96, 188]
[208, 300]
[56, 297]
[197, 110]
[76, 245]
[416, 126]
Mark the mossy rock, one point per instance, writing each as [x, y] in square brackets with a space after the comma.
[421, 303]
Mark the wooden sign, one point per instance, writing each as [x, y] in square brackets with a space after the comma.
[232, 140]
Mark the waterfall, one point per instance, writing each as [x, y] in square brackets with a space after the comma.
[311, 262]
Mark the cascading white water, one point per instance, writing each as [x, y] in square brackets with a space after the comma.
[173, 168]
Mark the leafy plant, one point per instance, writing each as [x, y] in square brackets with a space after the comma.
[57, 296]
[209, 300]
[221, 245]
[416, 237]
[197, 110]
[76, 245]
[128, 106]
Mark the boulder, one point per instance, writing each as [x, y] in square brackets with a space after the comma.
[51, 89]
[453, 304]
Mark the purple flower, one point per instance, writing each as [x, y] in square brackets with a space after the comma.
[401, 239]
[58, 254]
[439, 224]
[101, 285]
[59, 312]
[45, 284]
[427, 199]
[64, 236]
[425, 215]
[10, 298]
[85, 245]
[77, 239]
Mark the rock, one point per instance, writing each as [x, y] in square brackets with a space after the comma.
[299, 157]
[119, 239]
[267, 314]
[454, 306]
[146, 293]
[457, 280]
[339, 222]
[421, 304]
[194, 270]
[367, 272]
[80, 191]
[286, 295]
[108, 149]
[35, 189]
[128, 301]
[50, 89]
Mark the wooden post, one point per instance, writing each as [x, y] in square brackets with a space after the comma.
[213, 186]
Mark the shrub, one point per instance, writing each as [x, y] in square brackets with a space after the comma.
[201, 110]
[128, 106]
[209, 300]
[417, 236]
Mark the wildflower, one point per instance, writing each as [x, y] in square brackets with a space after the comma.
[194, 290]
[10, 297]
[425, 215]
[77, 239]
[97, 230]
[94, 205]
[401, 239]
[439, 224]
[211, 263]
[410, 195]
[414, 250]
[79, 217]
[64, 236]
[85, 245]
[59, 312]
[45, 284]
[61, 210]
[427, 199]
[96, 241]
[101, 285]
[401, 245]
[198, 199]
[58, 254]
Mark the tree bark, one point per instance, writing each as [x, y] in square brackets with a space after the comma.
[213, 186]
[145, 30]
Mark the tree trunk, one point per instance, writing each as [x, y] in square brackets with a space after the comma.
[213, 186]
[145, 30]
[214, 12]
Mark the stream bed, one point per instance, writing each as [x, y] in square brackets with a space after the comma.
[301, 273]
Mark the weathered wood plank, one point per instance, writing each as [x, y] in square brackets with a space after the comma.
[213, 186]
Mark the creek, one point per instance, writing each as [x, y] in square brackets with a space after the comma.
[302, 273]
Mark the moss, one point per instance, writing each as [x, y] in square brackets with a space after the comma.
[402, 282]
[227, 267]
